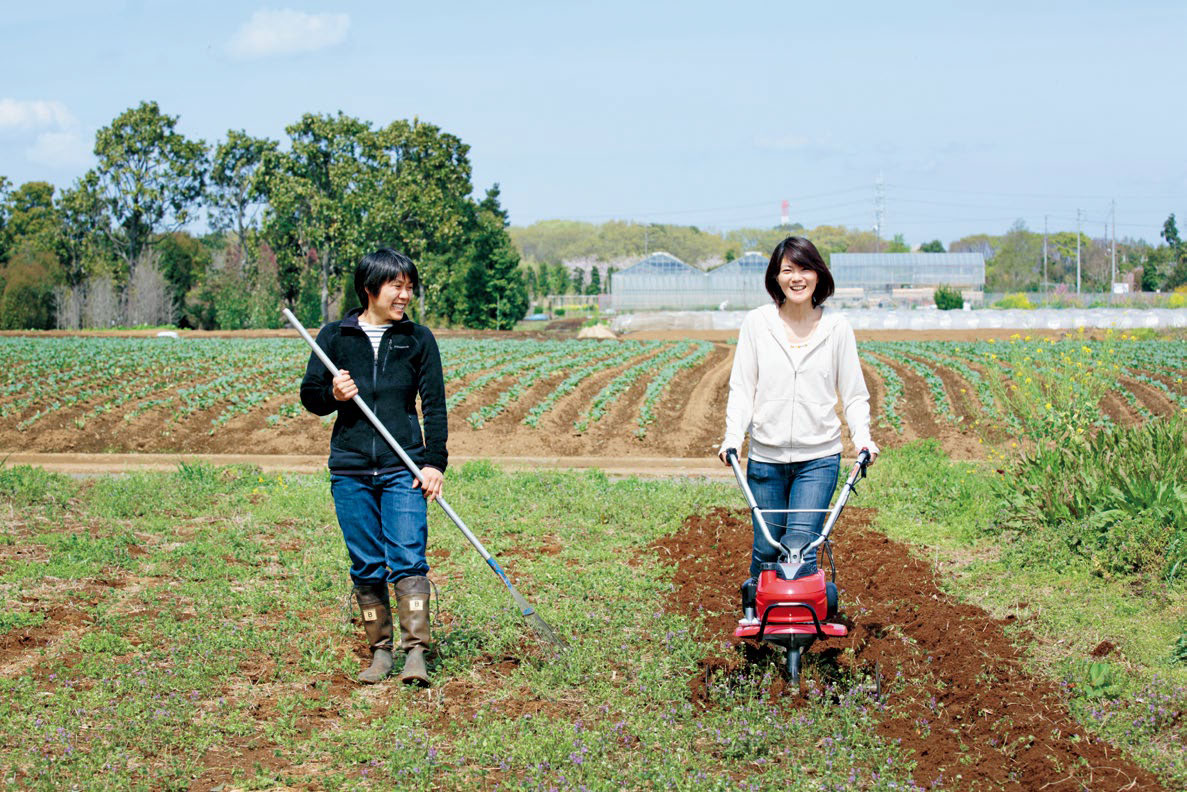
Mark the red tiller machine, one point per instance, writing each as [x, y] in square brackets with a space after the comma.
[785, 606]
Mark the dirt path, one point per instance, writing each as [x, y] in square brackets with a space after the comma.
[638, 466]
[958, 696]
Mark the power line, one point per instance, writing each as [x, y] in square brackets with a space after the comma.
[1040, 195]
[795, 200]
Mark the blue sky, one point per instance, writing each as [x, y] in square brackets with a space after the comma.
[698, 113]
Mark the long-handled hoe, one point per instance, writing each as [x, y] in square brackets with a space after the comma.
[540, 627]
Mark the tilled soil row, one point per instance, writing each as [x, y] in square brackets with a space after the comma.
[959, 699]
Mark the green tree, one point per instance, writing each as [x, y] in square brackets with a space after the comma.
[345, 189]
[898, 245]
[30, 219]
[83, 247]
[558, 280]
[1170, 233]
[27, 290]
[1176, 254]
[149, 178]
[1151, 270]
[495, 294]
[1016, 262]
[595, 282]
[577, 281]
[316, 192]
[183, 260]
[934, 246]
[236, 192]
[31, 213]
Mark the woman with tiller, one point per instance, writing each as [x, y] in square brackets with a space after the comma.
[794, 359]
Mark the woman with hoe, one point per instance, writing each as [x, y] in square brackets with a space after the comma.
[793, 360]
[389, 360]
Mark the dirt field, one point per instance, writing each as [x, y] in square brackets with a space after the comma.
[956, 691]
[689, 425]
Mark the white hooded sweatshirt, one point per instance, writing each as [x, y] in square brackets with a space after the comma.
[787, 402]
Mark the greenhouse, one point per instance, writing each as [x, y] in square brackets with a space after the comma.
[739, 283]
[662, 281]
[882, 272]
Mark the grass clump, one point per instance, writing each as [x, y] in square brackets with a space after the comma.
[25, 485]
[1117, 499]
[19, 620]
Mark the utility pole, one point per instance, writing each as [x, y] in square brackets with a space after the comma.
[879, 208]
[1044, 258]
[1113, 217]
[1077, 251]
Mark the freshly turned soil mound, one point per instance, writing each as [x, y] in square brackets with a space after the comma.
[959, 698]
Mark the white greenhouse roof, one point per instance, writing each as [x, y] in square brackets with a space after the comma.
[659, 263]
[749, 263]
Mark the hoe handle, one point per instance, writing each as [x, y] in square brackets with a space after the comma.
[379, 427]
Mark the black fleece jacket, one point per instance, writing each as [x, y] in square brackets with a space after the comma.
[408, 364]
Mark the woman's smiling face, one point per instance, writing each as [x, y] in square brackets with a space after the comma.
[392, 301]
[798, 283]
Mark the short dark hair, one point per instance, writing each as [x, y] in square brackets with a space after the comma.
[380, 267]
[802, 253]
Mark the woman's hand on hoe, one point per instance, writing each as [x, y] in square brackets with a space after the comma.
[433, 481]
[344, 387]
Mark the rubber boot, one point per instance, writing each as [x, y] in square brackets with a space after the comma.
[412, 604]
[375, 603]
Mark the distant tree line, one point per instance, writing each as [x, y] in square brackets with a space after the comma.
[287, 225]
[1014, 260]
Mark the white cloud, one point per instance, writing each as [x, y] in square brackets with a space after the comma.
[64, 150]
[34, 114]
[287, 32]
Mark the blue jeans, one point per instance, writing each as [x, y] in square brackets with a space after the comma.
[385, 524]
[791, 485]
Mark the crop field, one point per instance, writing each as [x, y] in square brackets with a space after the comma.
[1013, 572]
[534, 397]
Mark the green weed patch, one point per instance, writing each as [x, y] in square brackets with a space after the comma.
[1117, 499]
[1110, 643]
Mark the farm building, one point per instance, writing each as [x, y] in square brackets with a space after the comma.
[662, 281]
[883, 272]
[739, 283]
